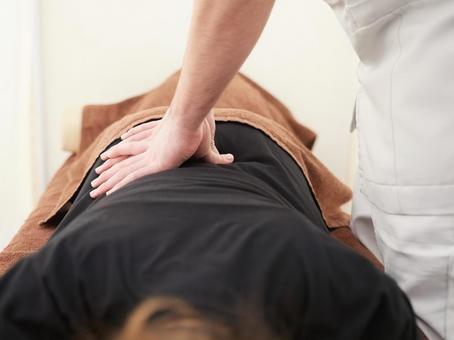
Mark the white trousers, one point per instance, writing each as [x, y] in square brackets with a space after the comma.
[403, 207]
[417, 251]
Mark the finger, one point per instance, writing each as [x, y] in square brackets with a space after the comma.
[124, 149]
[214, 157]
[139, 128]
[104, 176]
[132, 177]
[108, 164]
[107, 185]
[116, 178]
[139, 136]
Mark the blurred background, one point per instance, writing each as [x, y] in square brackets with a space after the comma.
[59, 54]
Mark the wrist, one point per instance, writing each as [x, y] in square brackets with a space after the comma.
[186, 119]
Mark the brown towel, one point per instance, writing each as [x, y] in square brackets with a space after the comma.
[243, 101]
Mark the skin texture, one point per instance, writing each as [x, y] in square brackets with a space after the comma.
[222, 35]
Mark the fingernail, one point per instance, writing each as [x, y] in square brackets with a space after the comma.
[93, 183]
[123, 136]
[92, 193]
[229, 157]
[97, 169]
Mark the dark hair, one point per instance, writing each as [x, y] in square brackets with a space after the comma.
[173, 319]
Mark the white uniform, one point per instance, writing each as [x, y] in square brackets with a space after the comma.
[403, 206]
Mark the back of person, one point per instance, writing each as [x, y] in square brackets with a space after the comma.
[220, 239]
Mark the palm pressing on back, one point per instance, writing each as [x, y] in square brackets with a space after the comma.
[154, 147]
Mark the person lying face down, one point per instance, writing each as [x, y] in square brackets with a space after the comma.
[214, 237]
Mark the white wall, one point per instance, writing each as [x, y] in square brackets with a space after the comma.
[21, 170]
[106, 50]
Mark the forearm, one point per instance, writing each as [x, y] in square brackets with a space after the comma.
[222, 34]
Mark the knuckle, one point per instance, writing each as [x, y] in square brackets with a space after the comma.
[118, 175]
[101, 178]
[122, 173]
[101, 188]
[110, 172]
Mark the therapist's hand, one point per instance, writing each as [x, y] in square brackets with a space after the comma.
[153, 147]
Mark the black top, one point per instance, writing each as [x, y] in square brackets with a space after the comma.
[215, 236]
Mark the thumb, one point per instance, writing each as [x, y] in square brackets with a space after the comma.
[214, 157]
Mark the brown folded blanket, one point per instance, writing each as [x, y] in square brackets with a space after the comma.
[243, 101]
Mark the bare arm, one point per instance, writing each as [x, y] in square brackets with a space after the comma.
[222, 34]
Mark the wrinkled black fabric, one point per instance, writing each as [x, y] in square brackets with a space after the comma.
[215, 236]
